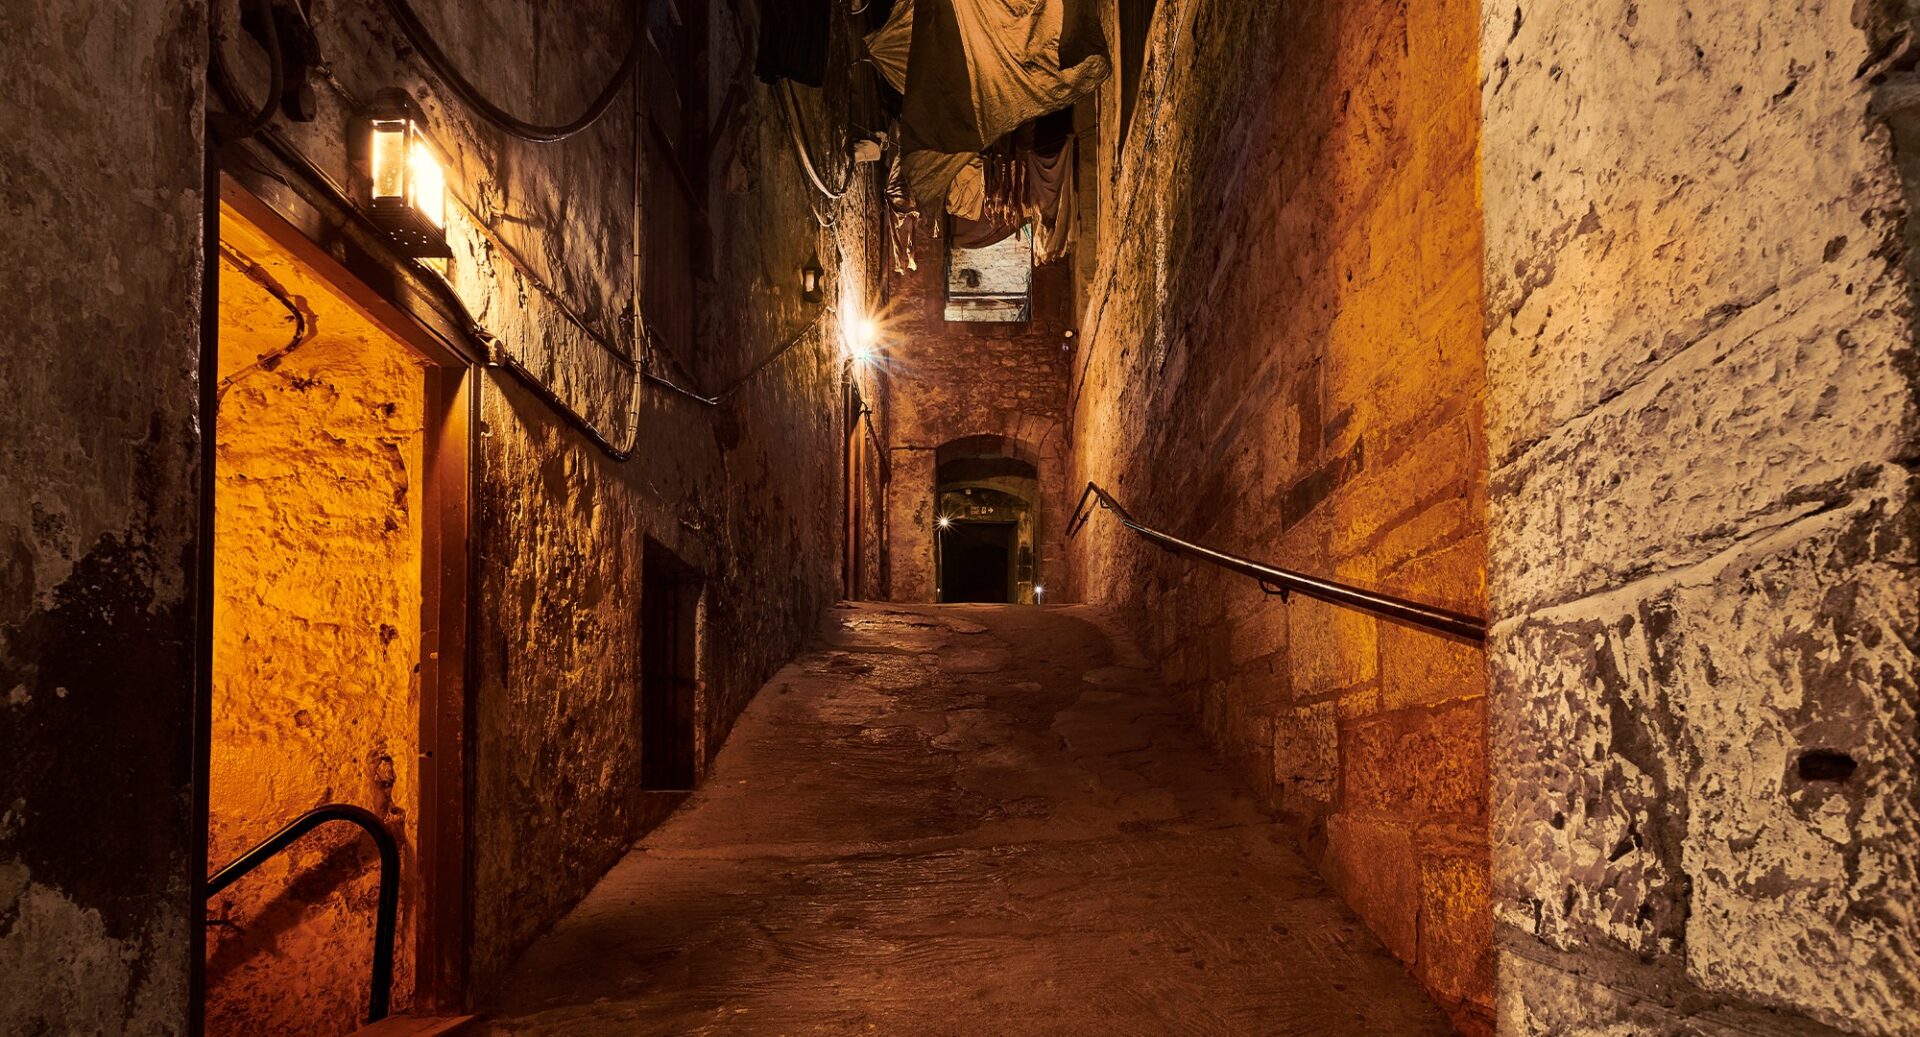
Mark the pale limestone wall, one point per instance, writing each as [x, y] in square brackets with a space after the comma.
[100, 222]
[1281, 357]
[1701, 554]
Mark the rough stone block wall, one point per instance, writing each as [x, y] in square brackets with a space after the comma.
[947, 380]
[1701, 547]
[100, 225]
[1282, 357]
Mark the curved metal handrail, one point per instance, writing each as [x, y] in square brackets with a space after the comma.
[1285, 581]
[385, 913]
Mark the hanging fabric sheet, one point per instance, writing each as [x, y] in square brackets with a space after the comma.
[1027, 186]
[973, 70]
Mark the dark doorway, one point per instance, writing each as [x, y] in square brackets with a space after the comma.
[976, 561]
[669, 672]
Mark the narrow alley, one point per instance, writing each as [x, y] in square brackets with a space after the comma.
[1232, 518]
[964, 820]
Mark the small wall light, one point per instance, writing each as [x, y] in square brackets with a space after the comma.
[1038, 593]
[812, 282]
[943, 522]
[407, 188]
[862, 336]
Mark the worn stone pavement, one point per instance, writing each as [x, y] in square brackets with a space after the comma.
[963, 820]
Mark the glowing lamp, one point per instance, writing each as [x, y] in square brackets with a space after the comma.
[811, 282]
[862, 335]
[406, 186]
[943, 522]
[1039, 592]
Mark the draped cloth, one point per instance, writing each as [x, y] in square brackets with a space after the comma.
[972, 71]
[1025, 186]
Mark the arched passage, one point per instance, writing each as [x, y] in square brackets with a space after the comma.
[993, 478]
[986, 520]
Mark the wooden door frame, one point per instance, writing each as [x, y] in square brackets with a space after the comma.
[448, 585]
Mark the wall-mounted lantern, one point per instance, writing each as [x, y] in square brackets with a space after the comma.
[812, 282]
[863, 339]
[406, 186]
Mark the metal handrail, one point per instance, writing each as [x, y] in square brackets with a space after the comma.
[1285, 581]
[385, 913]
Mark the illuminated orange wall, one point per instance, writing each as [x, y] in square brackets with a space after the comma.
[1282, 355]
[316, 698]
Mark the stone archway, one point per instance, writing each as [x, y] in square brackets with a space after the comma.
[987, 513]
[989, 478]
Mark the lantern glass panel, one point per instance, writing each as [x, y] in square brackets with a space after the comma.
[389, 153]
[427, 185]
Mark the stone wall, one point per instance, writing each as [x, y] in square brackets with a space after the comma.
[1701, 552]
[742, 491]
[947, 380]
[1282, 356]
[98, 452]
[100, 246]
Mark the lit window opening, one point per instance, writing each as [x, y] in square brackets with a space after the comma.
[993, 284]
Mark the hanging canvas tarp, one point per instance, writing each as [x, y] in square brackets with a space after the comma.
[1034, 187]
[973, 70]
[888, 45]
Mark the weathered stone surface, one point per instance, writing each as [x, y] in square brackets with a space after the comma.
[1376, 869]
[1680, 822]
[1417, 764]
[319, 478]
[100, 227]
[909, 517]
[1456, 922]
[1045, 845]
[1282, 357]
[1620, 995]
[1700, 559]
[1306, 757]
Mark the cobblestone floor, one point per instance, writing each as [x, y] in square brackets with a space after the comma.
[963, 820]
